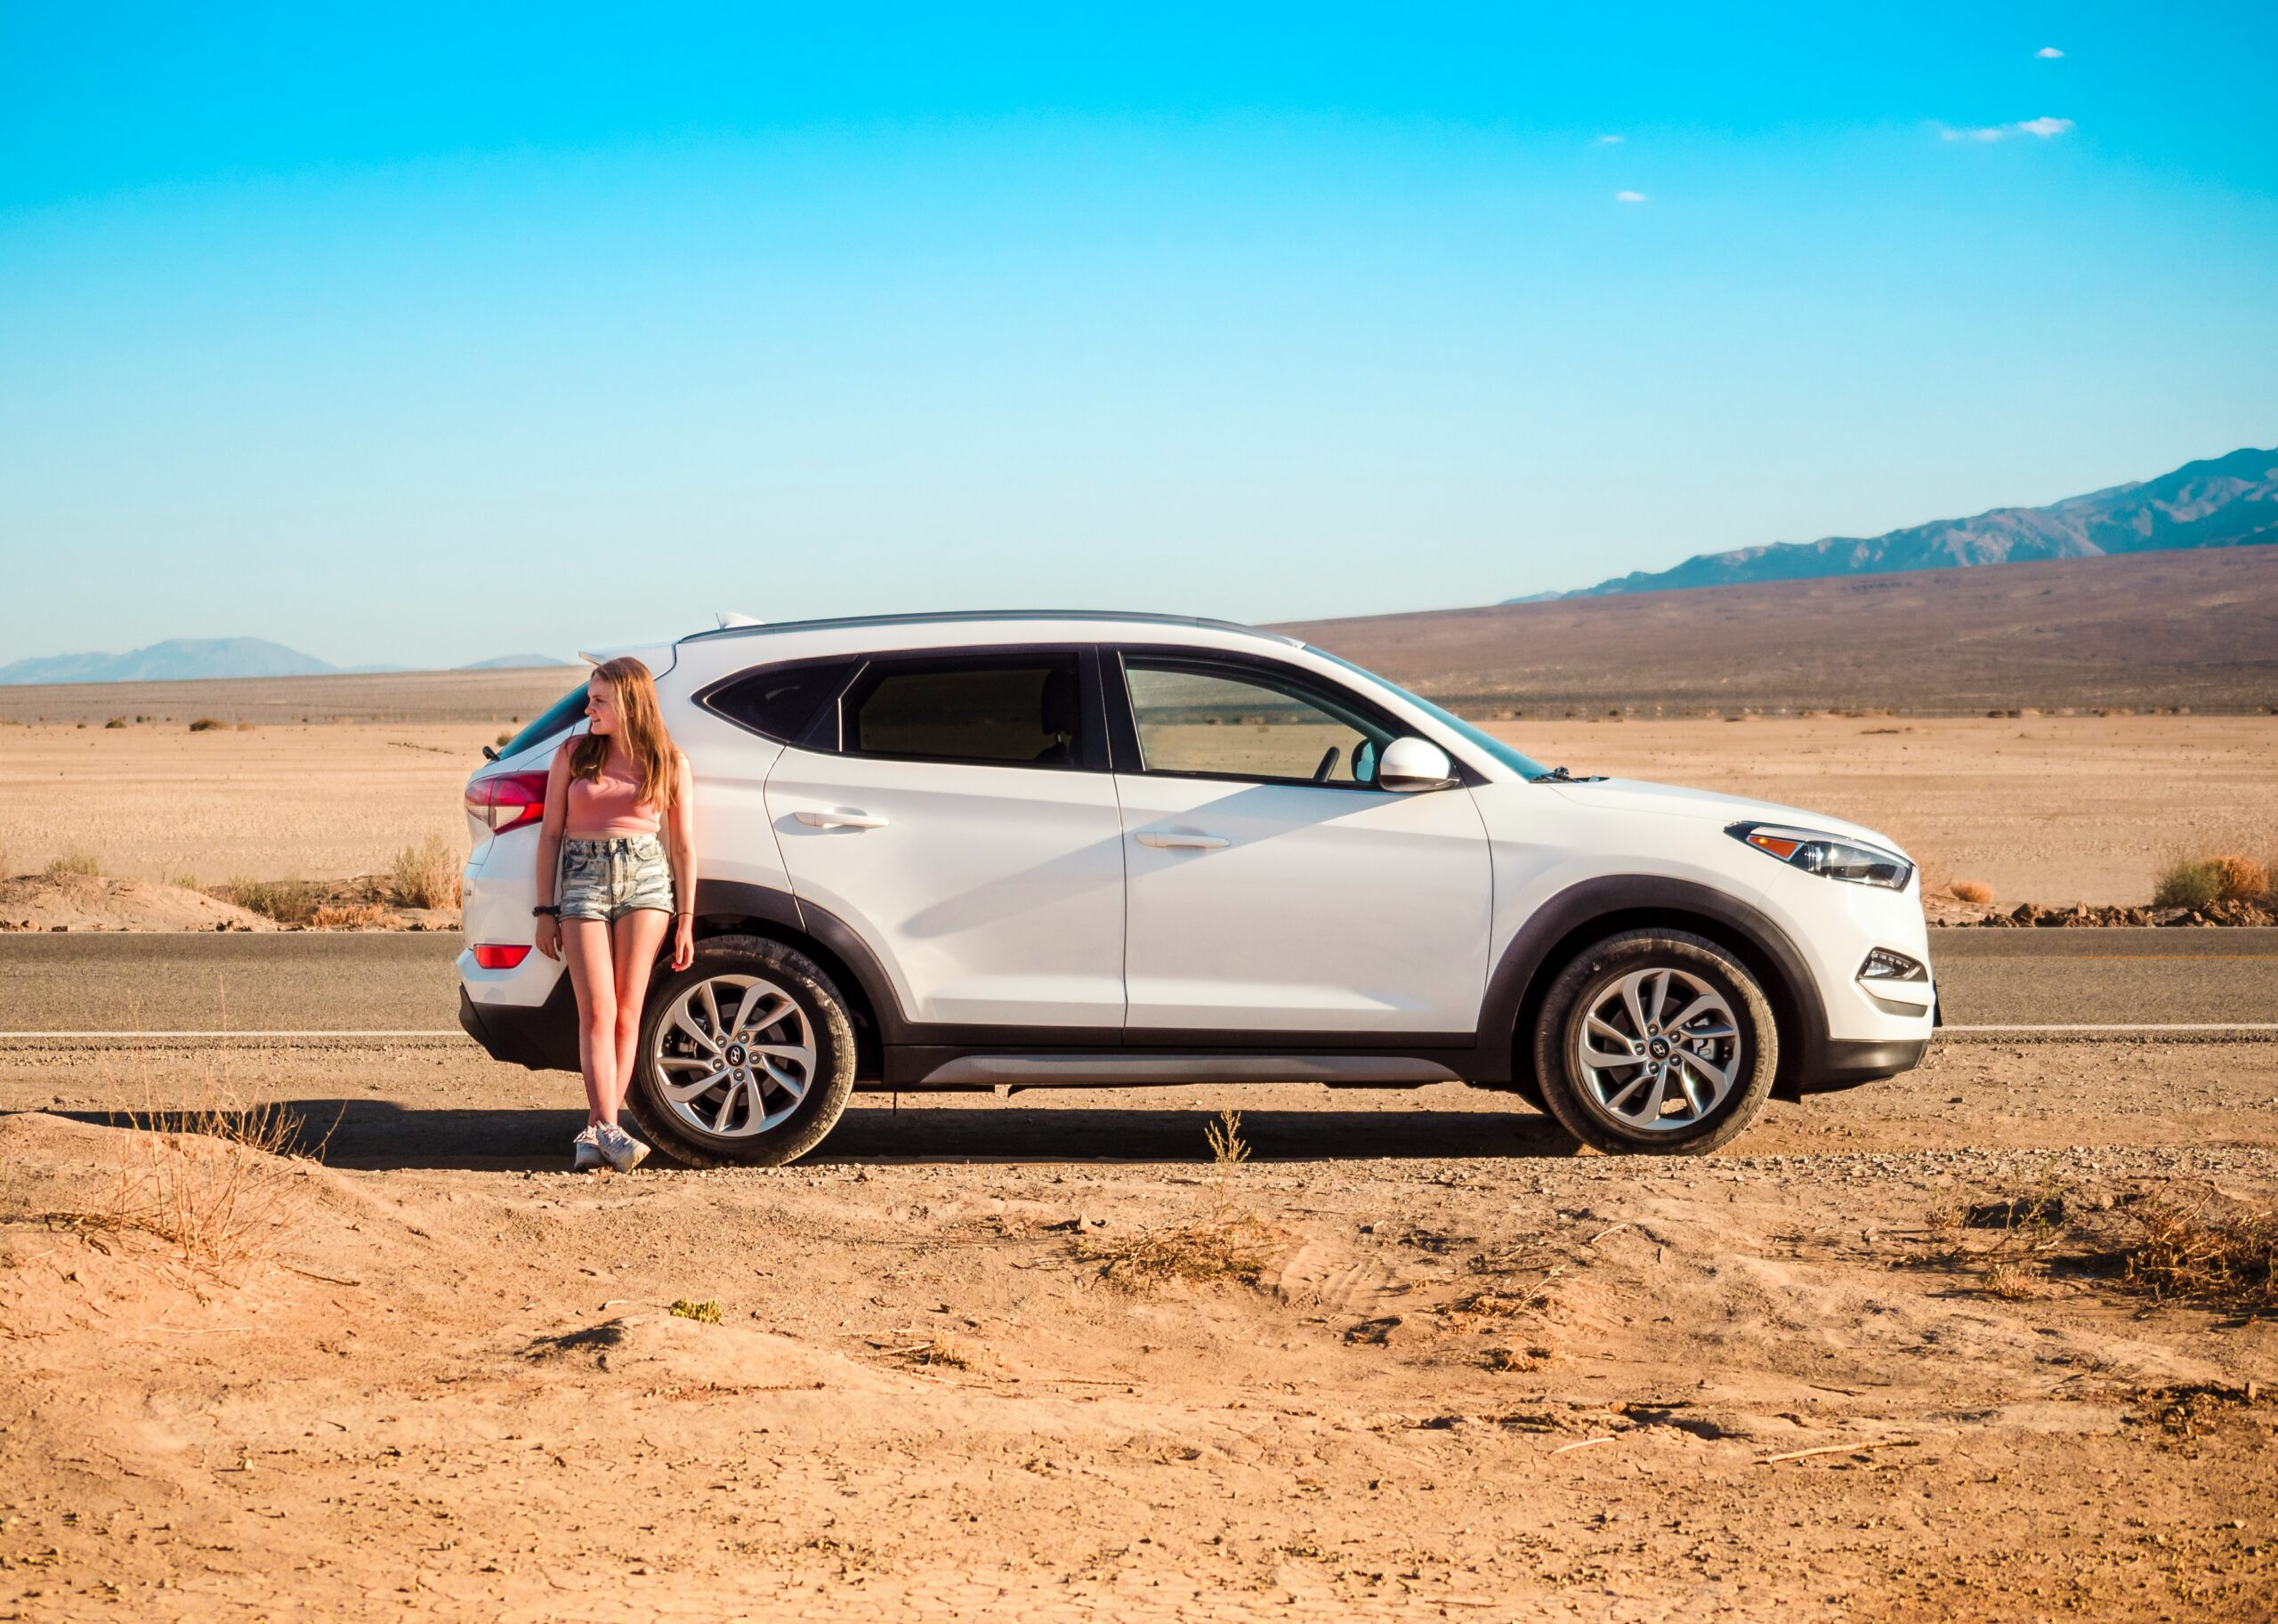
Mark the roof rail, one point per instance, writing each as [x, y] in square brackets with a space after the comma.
[965, 616]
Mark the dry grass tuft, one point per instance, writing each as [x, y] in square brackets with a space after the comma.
[1227, 1242]
[1508, 1361]
[426, 874]
[1974, 892]
[935, 1352]
[1200, 1253]
[705, 1313]
[2012, 1280]
[77, 865]
[348, 916]
[218, 1181]
[2204, 1250]
[287, 901]
[205, 724]
[2005, 1243]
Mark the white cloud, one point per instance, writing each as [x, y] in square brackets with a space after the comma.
[2048, 53]
[2043, 128]
[1608, 141]
[1629, 196]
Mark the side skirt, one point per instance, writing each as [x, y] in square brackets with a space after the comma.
[953, 1066]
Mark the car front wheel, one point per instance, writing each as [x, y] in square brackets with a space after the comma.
[1656, 1040]
[747, 1057]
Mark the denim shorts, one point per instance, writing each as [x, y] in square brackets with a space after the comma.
[608, 879]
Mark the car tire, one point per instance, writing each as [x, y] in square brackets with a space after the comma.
[1686, 1039]
[759, 1093]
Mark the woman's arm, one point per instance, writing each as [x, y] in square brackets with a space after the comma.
[680, 836]
[547, 928]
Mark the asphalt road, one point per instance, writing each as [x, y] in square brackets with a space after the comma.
[344, 982]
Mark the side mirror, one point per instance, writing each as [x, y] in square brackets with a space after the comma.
[1412, 763]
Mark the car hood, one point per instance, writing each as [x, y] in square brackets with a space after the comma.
[1669, 800]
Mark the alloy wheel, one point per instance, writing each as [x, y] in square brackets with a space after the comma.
[734, 1055]
[1658, 1050]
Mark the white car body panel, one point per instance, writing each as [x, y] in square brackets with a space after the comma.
[991, 895]
[1341, 910]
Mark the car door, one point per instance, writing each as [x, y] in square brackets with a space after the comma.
[955, 812]
[1271, 887]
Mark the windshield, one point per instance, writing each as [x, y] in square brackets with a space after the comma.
[1517, 761]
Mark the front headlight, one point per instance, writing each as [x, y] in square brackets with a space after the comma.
[1825, 855]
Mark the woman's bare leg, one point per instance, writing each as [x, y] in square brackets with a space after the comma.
[585, 943]
[637, 938]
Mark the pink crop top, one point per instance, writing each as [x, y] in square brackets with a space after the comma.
[604, 808]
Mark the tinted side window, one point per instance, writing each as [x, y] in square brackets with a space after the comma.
[778, 701]
[1227, 722]
[1015, 713]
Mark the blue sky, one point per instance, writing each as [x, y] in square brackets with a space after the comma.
[412, 336]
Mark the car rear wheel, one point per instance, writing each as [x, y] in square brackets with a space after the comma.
[1656, 1040]
[747, 1057]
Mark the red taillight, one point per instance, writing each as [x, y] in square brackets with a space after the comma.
[500, 955]
[507, 800]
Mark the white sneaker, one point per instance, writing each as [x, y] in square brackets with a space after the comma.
[585, 1151]
[618, 1148]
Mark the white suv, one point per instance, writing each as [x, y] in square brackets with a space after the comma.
[960, 851]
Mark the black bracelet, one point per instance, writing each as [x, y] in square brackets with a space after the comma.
[548, 909]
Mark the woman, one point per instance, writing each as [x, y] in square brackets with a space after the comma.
[619, 887]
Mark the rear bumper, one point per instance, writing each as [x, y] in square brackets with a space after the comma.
[542, 1037]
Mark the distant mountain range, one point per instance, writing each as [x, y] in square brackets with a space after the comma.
[184, 660]
[2223, 502]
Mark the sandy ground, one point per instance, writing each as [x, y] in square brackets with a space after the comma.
[1471, 1376]
[2051, 810]
[273, 803]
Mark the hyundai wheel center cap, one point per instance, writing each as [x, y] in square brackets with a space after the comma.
[1658, 1048]
[735, 1054]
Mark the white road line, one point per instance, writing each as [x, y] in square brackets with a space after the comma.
[2207, 1026]
[223, 1037]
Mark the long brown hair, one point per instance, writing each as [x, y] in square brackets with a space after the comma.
[640, 728]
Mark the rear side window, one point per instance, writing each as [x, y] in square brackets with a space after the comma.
[780, 702]
[560, 717]
[1021, 712]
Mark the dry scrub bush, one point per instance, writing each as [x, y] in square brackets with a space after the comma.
[1222, 1244]
[2205, 1251]
[2202, 882]
[705, 1313]
[287, 901]
[204, 724]
[77, 865]
[426, 875]
[1976, 892]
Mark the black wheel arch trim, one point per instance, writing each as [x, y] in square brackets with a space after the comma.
[1592, 909]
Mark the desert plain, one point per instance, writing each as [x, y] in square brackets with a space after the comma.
[1929, 1349]
[2048, 809]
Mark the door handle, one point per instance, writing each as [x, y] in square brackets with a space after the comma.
[1182, 840]
[850, 818]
